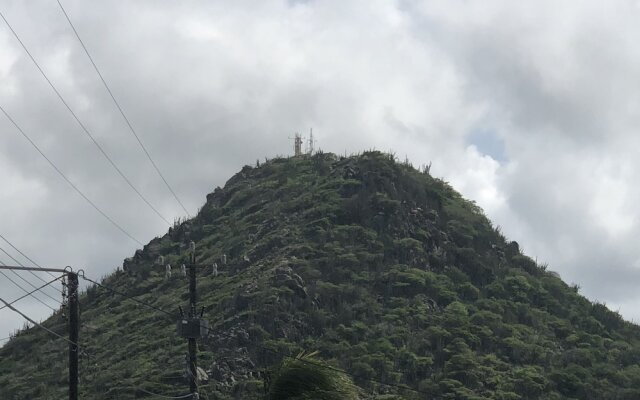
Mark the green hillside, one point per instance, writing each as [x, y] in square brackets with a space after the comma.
[386, 271]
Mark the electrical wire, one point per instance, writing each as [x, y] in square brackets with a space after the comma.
[24, 255]
[31, 292]
[186, 396]
[31, 272]
[24, 279]
[127, 296]
[389, 384]
[133, 131]
[39, 325]
[319, 365]
[81, 124]
[54, 166]
[25, 290]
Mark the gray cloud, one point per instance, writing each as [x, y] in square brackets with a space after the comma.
[211, 86]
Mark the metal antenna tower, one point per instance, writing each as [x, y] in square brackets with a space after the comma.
[297, 144]
[311, 142]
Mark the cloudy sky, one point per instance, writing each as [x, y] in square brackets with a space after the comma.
[528, 108]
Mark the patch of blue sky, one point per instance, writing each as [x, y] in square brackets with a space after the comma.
[489, 143]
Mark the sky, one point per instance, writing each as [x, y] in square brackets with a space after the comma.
[528, 108]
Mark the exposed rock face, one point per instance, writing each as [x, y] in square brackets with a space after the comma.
[284, 276]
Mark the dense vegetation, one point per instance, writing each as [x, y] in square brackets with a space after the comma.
[304, 377]
[386, 271]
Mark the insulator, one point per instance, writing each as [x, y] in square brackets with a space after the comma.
[183, 269]
[64, 289]
[192, 246]
[167, 269]
[214, 269]
[223, 259]
[64, 303]
[160, 260]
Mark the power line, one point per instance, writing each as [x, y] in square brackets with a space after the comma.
[127, 296]
[133, 131]
[120, 228]
[186, 396]
[39, 325]
[25, 290]
[390, 384]
[82, 126]
[19, 263]
[31, 292]
[31, 272]
[319, 365]
[23, 255]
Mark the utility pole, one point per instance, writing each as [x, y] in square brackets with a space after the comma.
[74, 328]
[191, 326]
[193, 353]
[74, 321]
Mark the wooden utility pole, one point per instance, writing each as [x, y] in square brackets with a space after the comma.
[193, 351]
[74, 328]
[191, 326]
[74, 321]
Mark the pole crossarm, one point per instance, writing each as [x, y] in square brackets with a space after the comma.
[11, 267]
[74, 323]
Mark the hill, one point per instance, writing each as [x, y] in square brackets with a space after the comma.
[386, 271]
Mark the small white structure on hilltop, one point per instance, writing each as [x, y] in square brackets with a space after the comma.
[297, 144]
[310, 143]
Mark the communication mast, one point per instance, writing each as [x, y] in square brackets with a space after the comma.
[297, 145]
[298, 140]
[311, 142]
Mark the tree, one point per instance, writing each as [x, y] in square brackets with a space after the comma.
[305, 378]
